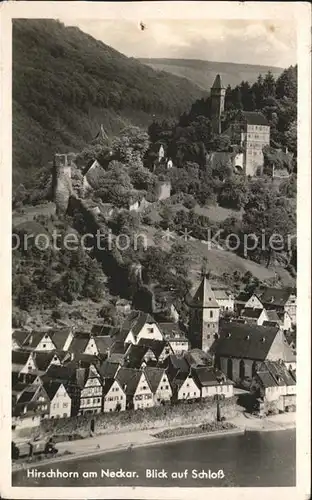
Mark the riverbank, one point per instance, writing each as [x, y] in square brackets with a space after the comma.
[108, 443]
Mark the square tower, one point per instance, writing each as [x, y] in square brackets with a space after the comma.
[204, 313]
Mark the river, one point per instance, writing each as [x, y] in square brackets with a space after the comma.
[251, 459]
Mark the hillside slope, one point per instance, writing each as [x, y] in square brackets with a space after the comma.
[203, 73]
[66, 83]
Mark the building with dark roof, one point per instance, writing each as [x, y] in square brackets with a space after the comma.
[240, 347]
[114, 397]
[212, 382]
[280, 299]
[159, 383]
[254, 315]
[251, 131]
[139, 325]
[273, 382]
[60, 401]
[136, 386]
[176, 338]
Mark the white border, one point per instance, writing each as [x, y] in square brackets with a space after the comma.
[301, 13]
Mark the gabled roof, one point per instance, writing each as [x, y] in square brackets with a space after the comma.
[273, 315]
[51, 388]
[60, 373]
[274, 296]
[250, 312]
[171, 331]
[20, 336]
[43, 359]
[239, 340]
[135, 322]
[135, 355]
[154, 376]
[129, 379]
[108, 369]
[34, 339]
[108, 384]
[244, 297]
[106, 330]
[59, 337]
[103, 343]
[274, 373]
[204, 296]
[156, 346]
[78, 344]
[254, 118]
[206, 376]
[197, 357]
[179, 363]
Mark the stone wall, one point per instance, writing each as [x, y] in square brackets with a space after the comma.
[151, 418]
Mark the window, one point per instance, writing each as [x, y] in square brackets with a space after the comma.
[194, 393]
[208, 336]
[65, 405]
[98, 400]
[150, 330]
[211, 314]
[44, 345]
[167, 386]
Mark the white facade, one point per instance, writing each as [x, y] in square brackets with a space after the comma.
[179, 345]
[189, 389]
[60, 406]
[150, 331]
[225, 390]
[114, 399]
[45, 344]
[254, 303]
[29, 366]
[143, 397]
[164, 391]
[91, 348]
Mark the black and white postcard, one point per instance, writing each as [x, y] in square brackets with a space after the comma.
[155, 210]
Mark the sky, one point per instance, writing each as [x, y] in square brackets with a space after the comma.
[271, 43]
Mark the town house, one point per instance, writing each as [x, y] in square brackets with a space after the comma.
[39, 341]
[83, 343]
[114, 397]
[23, 362]
[212, 382]
[247, 300]
[280, 299]
[91, 396]
[254, 315]
[177, 340]
[60, 401]
[273, 382]
[159, 383]
[185, 387]
[138, 391]
[139, 325]
[66, 375]
[33, 402]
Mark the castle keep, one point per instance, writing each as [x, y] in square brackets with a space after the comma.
[250, 131]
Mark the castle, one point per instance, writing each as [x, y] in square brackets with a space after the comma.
[250, 131]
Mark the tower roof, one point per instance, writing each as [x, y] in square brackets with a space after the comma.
[217, 84]
[204, 296]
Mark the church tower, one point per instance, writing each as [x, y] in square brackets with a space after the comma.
[204, 312]
[217, 96]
